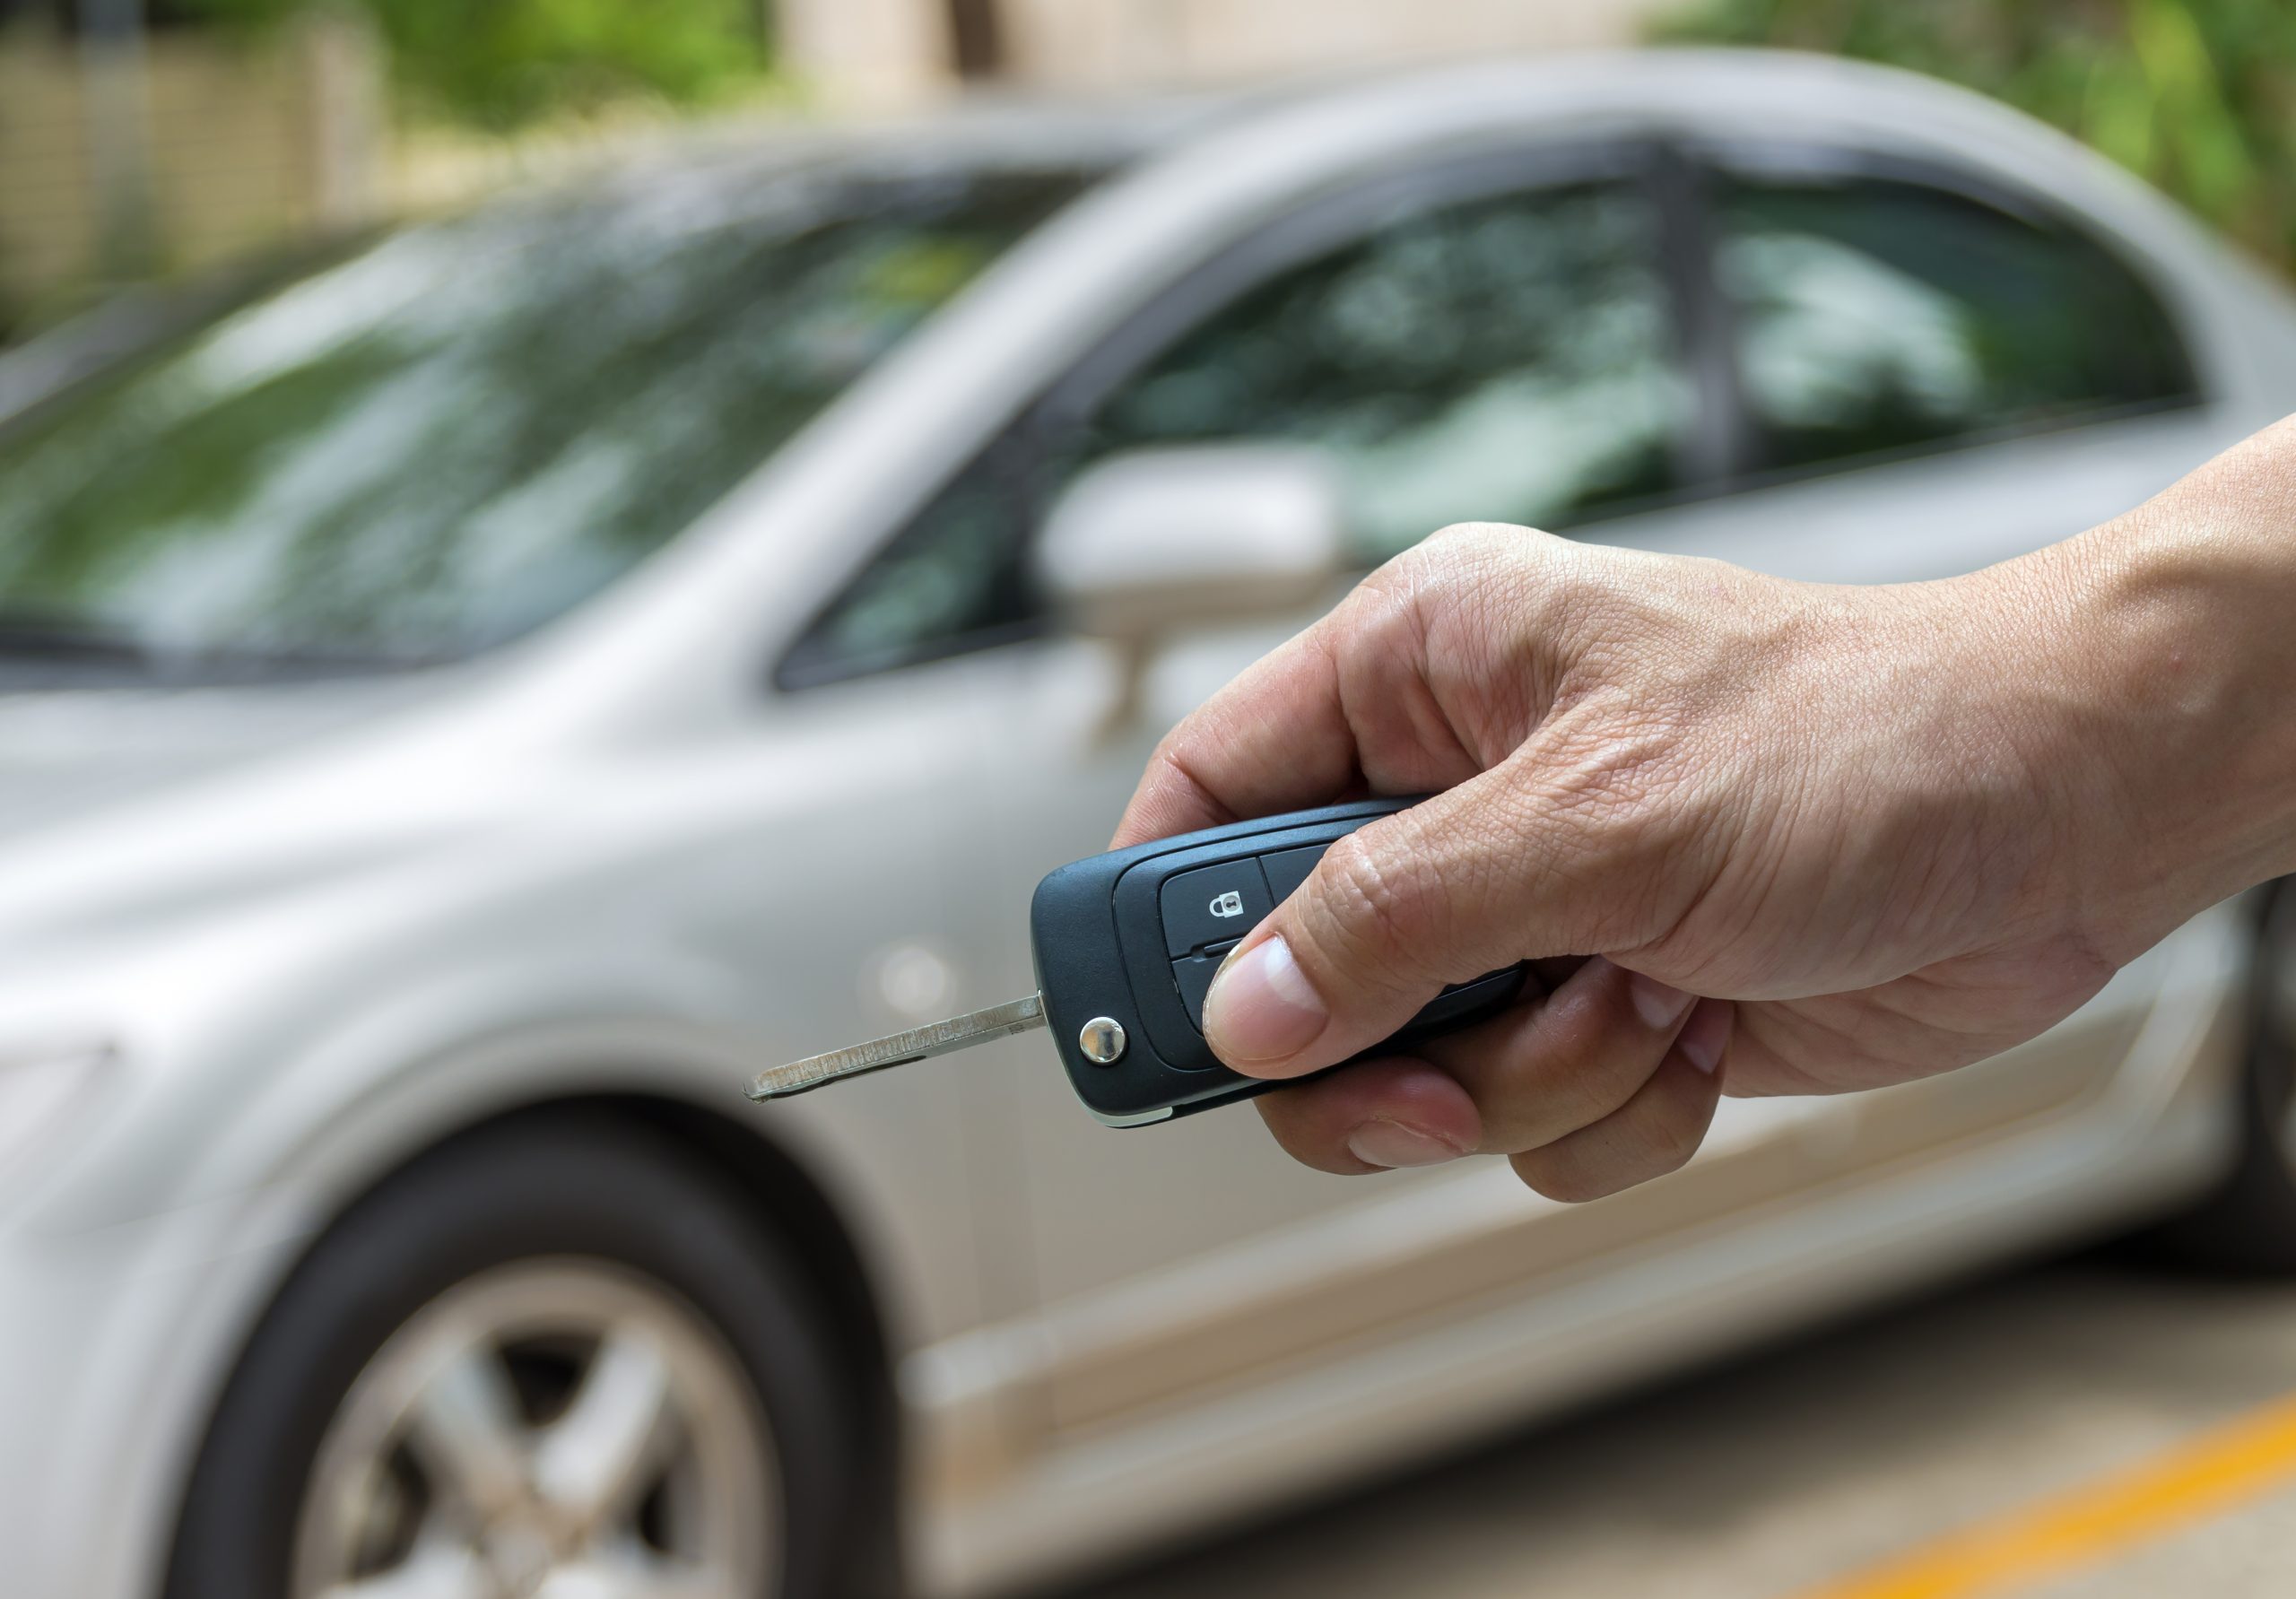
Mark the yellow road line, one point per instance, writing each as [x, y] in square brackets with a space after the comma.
[2204, 1476]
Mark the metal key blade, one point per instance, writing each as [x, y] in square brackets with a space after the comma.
[939, 1038]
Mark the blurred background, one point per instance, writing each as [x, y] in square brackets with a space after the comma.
[554, 553]
[147, 139]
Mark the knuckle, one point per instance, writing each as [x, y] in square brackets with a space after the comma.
[1461, 554]
[1466, 547]
[1375, 909]
[1482, 564]
[1166, 763]
[1506, 540]
[1383, 616]
[1176, 737]
[1663, 1130]
[1456, 541]
[1580, 1091]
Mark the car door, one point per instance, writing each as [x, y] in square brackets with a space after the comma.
[1414, 331]
[1921, 389]
[1418, 329]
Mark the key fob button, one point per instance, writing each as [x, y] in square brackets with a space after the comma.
[1194, 977]
[1213, 904]
[1287, 869]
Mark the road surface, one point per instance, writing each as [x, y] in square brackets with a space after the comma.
[2083, 1430]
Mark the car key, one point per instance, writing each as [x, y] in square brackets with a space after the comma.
[1126, 944]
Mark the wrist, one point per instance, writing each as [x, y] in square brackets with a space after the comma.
[2156, 666]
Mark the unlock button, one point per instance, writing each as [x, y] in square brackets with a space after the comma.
[1213, 904]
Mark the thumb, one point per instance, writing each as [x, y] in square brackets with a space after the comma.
[1433, 895]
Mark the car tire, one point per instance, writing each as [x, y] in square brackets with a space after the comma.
[546, 1224]
[2247, 1225]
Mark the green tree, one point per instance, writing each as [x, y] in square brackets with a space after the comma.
[2199, 99]
[498, 64]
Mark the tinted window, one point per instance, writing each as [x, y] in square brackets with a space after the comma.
[469, 427]
[1878, 315]
[1511, 359]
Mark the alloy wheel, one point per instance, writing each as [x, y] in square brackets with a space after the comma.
[558, 1429]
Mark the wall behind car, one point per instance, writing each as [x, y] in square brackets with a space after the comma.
[1147, 43]
[174, 151]
[872, 52]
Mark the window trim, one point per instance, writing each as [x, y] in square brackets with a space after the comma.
[1320, 221]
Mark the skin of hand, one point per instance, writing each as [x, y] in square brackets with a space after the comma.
[1776, 837]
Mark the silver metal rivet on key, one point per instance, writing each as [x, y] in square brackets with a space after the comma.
[1102, 1041]
[919, 1043]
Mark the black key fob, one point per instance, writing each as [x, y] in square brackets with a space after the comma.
[1126, 944]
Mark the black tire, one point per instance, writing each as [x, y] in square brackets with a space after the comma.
[2248, 1226]
[551, 1185]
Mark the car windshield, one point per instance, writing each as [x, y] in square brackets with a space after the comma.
[468, 427]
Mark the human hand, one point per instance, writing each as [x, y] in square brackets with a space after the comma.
[1883, 832]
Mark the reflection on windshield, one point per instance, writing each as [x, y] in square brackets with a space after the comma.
[471, 426]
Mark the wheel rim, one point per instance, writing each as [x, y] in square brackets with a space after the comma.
[548, 1429]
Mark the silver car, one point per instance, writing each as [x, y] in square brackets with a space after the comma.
[469, 705]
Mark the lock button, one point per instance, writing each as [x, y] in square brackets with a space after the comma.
[1213, 904]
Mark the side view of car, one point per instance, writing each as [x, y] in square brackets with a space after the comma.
[466, 708]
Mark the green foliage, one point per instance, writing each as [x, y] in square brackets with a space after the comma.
[2198, 98]
[499, 64]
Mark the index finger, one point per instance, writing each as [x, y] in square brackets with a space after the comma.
[1277, 738]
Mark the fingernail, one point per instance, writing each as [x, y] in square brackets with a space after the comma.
[1659, 1004]
[1262, 1006]
[1391, 1145]
[1708, 1035]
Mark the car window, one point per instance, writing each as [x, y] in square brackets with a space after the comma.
[1508, 358]
[1876, 314]
[465, 428]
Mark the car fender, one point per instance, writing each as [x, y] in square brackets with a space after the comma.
[423, 1062]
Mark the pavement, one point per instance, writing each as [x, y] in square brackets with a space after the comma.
[2082, 1429]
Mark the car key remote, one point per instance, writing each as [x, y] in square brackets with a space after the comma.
[1126, 944]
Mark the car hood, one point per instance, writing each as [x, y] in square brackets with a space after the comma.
[124, 814]
[67, 754]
